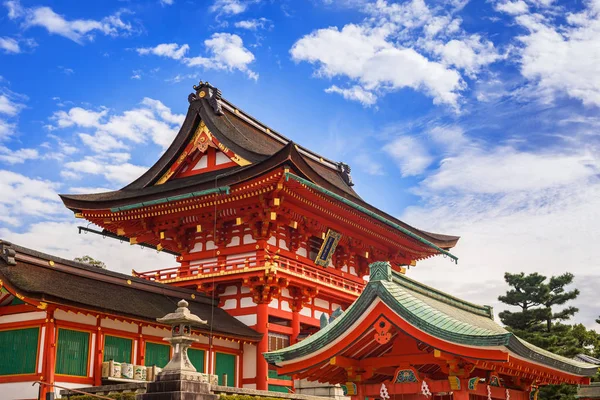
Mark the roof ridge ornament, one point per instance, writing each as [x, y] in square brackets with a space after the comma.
[345, 171]
[7, 253]
[380, 271]
[210, 93]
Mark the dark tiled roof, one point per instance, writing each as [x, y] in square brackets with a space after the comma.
[82, 285]
[252, 140]
[587, 359]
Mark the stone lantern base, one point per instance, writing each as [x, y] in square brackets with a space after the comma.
[178, 385]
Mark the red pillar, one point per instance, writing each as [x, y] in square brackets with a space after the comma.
[49, 352]
[140, 350]
[99, 354]
[295, 326]
[262, 322]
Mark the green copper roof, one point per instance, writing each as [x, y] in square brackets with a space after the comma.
[433, 312]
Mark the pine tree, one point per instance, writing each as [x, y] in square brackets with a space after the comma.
[537, 298]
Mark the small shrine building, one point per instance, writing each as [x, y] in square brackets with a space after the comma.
[402, 338]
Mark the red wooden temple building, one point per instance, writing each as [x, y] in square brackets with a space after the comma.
[403, 338]
[272, 239]
[273, 230]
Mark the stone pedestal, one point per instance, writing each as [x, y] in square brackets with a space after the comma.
[178, 385]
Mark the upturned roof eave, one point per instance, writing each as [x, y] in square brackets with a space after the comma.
[376, 290]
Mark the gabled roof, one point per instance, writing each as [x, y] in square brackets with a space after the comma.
[434, 313]
[255, 142]
[50, 279]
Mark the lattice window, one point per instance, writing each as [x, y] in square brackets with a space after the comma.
[278, 341]
[72, 352]
[157, 354]
[117, 349]
[22, 346]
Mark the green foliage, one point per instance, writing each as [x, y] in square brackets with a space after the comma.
[91, 261]
[119, 396]
[245, 397]
[536, 299]
[539, 323]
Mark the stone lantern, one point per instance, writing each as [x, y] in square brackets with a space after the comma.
[179, 379]
[181, 321]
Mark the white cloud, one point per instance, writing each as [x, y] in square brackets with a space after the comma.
[17, 156]
[515, 211]
[78, 116]
[469, 54]
[166, 2]
[506, 170]
[78, 30]
[23, 196]
[61, 238]
[562, 58]
[8, 106]
[355, 93]
[226, 51]
[254, 24]
[169, 50]
[366, 163]
[513, 7]
[9, 45]
[6, 129]
[409, 154]
[114, 171]
[230, 7]
[364, 55]
[151, 120]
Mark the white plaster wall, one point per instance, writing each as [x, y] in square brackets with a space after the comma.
[226, 343]
[30, 316]
[272, 241]
[229, 304]
[197, 247]
[201, 339]
[335, 306]
[274, 304]
[322, 303]
[248, 239]
[85, 319]
[119, 325]
[318, 314]
[246, 302]
[244, 290]
[283, 244]
[249, 385]
[235, 241]
[18, 390]
[285, 305]
[41, 351]
[92, 359]
[221, 158]
[302, 252]
[152, 331]
[249, 362]
[249, 320]
[210, 245]
[306, 312]
[285, 292]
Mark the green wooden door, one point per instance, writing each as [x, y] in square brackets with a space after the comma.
[196, 356]
[157, 354]
[19, 348]
[225, 365]
[72, 352]
[117, 349]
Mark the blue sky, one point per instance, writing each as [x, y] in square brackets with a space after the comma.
[472, 118]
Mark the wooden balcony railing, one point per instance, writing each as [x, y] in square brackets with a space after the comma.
[232, 265]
